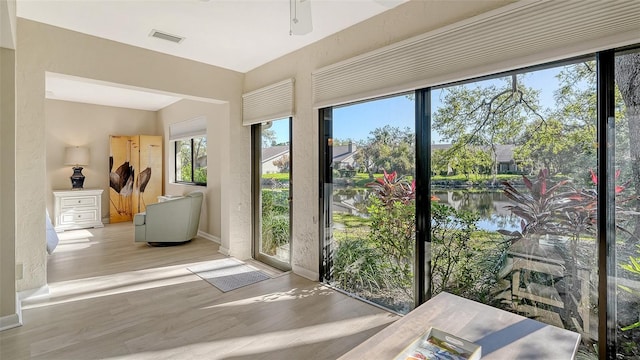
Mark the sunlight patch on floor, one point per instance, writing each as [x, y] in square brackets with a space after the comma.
[268, 342]
[113, 284]
[74, 240]
[276, 296]
[74, 235]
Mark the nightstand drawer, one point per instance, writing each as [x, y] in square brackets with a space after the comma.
[78, 216]
[78, 201]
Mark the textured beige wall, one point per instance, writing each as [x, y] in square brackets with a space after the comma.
[214, 113]
[77, 124]
[7, 183]
[46, 48]
[8, 21]
[407, 20]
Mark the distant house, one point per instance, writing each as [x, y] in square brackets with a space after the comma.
[272, 154]
[343, 157]
[506, 161]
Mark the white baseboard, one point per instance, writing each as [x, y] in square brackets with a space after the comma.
[30, 294]
[223, 250]
[306, 273]
[13, 320]
[209, 237]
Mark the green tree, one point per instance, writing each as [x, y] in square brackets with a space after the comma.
[486, 115]
[577, 100]
[439, 162]
[553, 145]
[342, 142]
[627, 74]
[576, 110]
[469, 160]
[389, 148]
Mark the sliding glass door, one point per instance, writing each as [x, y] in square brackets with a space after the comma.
[368, 157]
[514, 183]
[519, 190]
[272, 193]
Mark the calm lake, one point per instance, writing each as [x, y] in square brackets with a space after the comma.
[489, 205]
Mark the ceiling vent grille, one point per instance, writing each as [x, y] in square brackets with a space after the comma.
[166, 36]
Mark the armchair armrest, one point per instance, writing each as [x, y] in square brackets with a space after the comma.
[139, 218]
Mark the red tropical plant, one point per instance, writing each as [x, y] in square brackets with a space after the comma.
[391, 188]
[559, 208]
[582, 207]
[537, 208]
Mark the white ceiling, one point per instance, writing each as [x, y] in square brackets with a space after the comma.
[68, 88]
[238, 35]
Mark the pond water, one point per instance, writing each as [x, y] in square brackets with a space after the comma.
[489, 205]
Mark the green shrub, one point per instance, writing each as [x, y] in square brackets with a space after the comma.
[275, 220]
[633, 267]
[356, 266]
[393, 234]
[453, 265]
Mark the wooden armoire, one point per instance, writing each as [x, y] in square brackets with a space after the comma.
[135, 174]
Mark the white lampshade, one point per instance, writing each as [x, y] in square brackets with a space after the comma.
[76, 156]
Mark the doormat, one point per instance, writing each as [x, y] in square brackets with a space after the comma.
[228, 274]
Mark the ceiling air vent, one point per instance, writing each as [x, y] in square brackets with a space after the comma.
[165, 36]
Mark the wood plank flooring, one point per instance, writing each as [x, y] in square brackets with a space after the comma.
[111, 298]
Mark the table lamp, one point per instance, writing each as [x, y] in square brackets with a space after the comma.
[77, 157]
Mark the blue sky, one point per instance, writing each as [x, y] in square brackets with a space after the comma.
[358, 120]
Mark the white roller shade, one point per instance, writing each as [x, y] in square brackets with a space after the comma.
[268, 103]
[188, 129]
[517, 35]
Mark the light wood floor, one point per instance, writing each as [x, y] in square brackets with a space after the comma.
[111, 298]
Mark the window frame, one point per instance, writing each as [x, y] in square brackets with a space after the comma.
[607, 261]
[175, 161]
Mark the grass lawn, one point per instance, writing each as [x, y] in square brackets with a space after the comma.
[349, 220]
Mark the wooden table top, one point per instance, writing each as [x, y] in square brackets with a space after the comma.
[502, 335]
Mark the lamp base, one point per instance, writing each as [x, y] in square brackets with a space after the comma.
[77, 179]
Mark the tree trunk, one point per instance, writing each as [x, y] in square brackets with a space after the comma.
[627, 74]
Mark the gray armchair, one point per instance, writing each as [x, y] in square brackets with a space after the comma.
[170, 222]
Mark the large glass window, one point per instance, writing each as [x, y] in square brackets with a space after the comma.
[370, 212]
[527, 186]
[624, 178]
[514, 180]
[191, 160]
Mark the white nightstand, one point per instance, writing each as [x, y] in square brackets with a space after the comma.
[77, 209]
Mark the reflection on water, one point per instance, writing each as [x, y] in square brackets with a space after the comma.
[489, 205]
